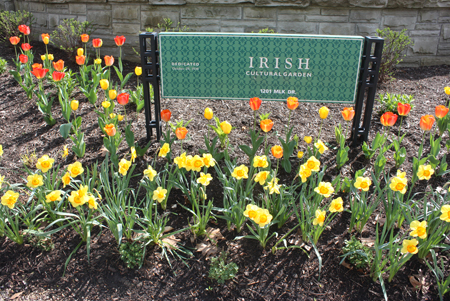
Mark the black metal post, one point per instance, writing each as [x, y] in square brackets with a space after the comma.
[150, 76]
[367, 86]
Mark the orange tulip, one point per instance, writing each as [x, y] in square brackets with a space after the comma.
[39, 72]
[84, 38]
[292, 103]
[123, 98]
[426, 122]
[80, 59]
[277, 151]
[26, 46]
[165, 115]
[119, 40]
[348, 114]
[36, 65]
[441, 111]
[24, 29]
[266, 125]
[14, 40]
[181, 133]
[59, 65]
[255, 103]
[403, 108]
[57, 76]
[23, 58]
[109, 60]
[45, 38]
[110, 129]
[96, 43]
[388, 119]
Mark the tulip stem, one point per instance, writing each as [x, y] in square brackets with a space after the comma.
[254, 120]
[320, 131]
[400, 127]
[289, 124]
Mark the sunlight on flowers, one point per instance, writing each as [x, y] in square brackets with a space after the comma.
[325, 189]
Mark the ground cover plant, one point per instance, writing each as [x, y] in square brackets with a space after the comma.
[90, 210]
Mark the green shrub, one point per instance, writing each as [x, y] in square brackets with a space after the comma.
[167, 26]
[67, 35]
[132, 253]
[3, 64]
[395, 44]
[356, 253]
[10, 21]
[220, 271]
[388, 102]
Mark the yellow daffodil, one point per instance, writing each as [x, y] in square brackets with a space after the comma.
[320, 146]
[35, 180]
[75, 169]
[208, 160]
[320, 217]
[133, 154]
[164, 150]
[409, 246]
[150, 173]
[197, 163]
[204, 179]
[66, 179]
[159, 194]
[65, 152]
[425, 172]
[10, 198]
[325, 189]
[53, 196]
[300, 155]
[124, 165]
[260, 161]
[2, 180]
[189, 164]
[251, 211]
[337, 205]
[79, 197]
[180, 161]
[399, 184]
[313, 164]
[363, 183]
[273, 186]
[445, 213]
[45, 163]
[304, 172]
[261, 177]
[401, 174]
[419, 229]
[240, 172]
[92, 202]
[263, 217]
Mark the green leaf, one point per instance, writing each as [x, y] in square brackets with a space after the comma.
[129, 136]
[64, 129]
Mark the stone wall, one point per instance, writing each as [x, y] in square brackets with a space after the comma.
[427, 21]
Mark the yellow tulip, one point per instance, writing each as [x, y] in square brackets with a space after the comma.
[112, 94]
[208, 113]
[104, 84]
[80, 51]
[138, 71]
[74, 104]
[323, 112]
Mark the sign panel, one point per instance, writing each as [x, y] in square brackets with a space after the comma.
[268, 66]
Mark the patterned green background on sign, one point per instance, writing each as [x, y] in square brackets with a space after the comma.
[241, 66]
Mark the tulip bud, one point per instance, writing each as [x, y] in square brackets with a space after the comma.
[323, 112]
[138, 71]
[80, 51]
[97, 61]
[120, 117]
[208, 113]
[50, 57]
[104, 84]
[112, 115]
[74, 104]
[226, 127]
[112, 94]
[43, 57]
[106, 104]
[46, 40]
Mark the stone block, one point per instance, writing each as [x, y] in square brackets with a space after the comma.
[126, 29]
[297, 27]
[53, 21]
[410, 61]
[234, 29]
[291, 18]
[329, 3]
[126, 12]
[427, 26]
[444, 16]
[425, 45]
[259, 13]
[406, 3]
[366, 29]
[21, 5]
[396, 22]
[77, 8]
[41, 19]
[428, 16]
[204, 25]
[81, 18]
[446, 31]
[368, 3]
[365, 15]
[37, 7]
[99, 18]
[424, 33]
[9, 6]
[445, 52]
[338, 19]
[334, 12]
[435, 61]
[58, 8]
[249, 25]
[217, 12]
[280, 3]
[307, 11]
[167, 2]
[101, 32]
[157, 16]
[98, 6]
[128, 1]
[337, 28]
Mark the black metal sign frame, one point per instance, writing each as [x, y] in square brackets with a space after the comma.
[367, 85]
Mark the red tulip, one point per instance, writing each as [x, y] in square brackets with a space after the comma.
[39, 72]
[80, 59]
[14, 40]
[26, 46]
[119, 40]
[123, 98]
[57, 76]
[97, 43]
[109, 60]
[255, 103]
[59, 65]
[24, 29]
[23, 58]
[165, 115]
[403, 108]
[84, 38]
[388, 119]
[441, 111]
[426, 122]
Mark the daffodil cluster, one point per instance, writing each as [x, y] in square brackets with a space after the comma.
[195, 163]
[306, 169]
[259, 215]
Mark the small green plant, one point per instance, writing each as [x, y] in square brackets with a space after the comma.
[388, 102]
[266, 30]
[394, 45]
[3, 64]
[42, 243]
[29, 158]
[132, 253]
[67, 35]
[10, 21]
[357, 254]
[220, 271]
[167, 26]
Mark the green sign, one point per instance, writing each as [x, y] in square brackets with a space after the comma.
[268, 66]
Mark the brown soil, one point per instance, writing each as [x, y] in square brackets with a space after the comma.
[27, 273]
